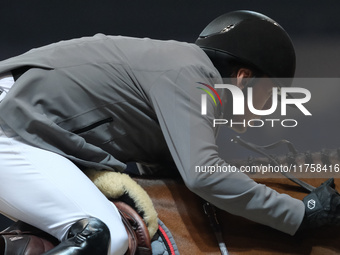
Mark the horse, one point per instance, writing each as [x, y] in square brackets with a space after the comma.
[182, 212]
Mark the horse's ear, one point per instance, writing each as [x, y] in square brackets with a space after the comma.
[118, 186]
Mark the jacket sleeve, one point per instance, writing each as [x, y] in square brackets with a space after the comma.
[191, 139]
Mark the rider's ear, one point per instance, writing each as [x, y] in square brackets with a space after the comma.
[242, 76]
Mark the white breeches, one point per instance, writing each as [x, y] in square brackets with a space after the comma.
[49, 192]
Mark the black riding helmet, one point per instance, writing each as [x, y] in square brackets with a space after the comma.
[252, 39]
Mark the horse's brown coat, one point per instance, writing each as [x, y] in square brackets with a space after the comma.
[182, 213]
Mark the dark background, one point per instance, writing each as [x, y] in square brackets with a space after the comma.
[28, 24]
[313, 25]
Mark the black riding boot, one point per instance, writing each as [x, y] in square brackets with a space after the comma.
[88, 236]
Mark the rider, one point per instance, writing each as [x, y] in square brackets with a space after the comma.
[250, 41]
[99, 102]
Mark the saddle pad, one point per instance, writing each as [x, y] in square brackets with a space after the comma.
[163, 242]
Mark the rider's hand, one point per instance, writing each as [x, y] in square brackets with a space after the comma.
[322, 207]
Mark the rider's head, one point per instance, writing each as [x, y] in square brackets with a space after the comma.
[246, 44]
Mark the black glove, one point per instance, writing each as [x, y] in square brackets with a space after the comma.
[322, 207]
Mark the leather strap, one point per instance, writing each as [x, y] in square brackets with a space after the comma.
[139, 238]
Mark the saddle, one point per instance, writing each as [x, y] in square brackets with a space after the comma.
[24, 239]
[139, 238]
[134, 205]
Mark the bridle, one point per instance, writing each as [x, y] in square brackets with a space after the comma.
[210, 209]
[261, 150]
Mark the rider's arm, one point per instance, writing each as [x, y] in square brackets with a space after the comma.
[191, 140]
